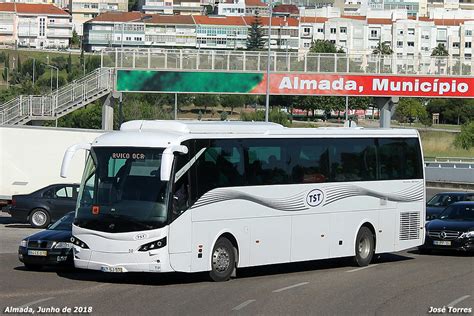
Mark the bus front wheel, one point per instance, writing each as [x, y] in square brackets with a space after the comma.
[364, 247]
[222, 260]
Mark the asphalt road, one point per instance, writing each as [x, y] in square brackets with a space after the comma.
[403, 283]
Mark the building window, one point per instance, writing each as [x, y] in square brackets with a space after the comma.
[128, 38]
[320, 30]
[374, 33]
[400, 32]
[411, 44]
[343, 29]
[307, 45]
[468, 32]
[400, 44]
[468, 44]
[411, 31]
[456, 45]
[306, 30]
[42, 22]
[333, 30]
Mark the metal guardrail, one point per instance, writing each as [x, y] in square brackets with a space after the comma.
[449, 169]
[450, 159]
[197, 59]
[58, 103]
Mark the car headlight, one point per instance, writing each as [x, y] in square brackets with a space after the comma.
[153, 245]
[63, 245]
[24, 243]
[467, 235]
[79, 243]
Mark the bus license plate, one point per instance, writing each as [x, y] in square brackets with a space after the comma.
[42, 253]
[442, 242]
[112, 269]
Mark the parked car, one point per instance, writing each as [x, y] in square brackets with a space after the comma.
[438, 203]
[52, 246]
[45, 205]
[454, 229]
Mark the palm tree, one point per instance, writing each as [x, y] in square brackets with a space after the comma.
[382, 49]
[439, 52]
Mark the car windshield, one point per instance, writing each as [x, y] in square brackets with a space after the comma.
[458, 212]
[444, 199]
[65, 223]
[121, 190]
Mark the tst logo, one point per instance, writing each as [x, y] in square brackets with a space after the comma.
[315, 197]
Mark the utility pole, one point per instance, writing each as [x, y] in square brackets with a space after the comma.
[267, 99]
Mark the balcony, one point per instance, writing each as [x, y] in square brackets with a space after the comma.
[54, 34]
[60, 25]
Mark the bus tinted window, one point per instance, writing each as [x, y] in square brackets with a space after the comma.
[353, 159]
[399, 159]
[231, 162]
[221, 165]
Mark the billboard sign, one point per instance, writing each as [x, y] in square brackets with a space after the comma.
[293, 84]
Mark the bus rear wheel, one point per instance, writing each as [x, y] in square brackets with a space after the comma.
[364, 247]
[222, 260]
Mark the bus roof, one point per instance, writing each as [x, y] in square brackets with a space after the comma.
[142, 133]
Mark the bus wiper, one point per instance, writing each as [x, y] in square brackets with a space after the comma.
[130, 220]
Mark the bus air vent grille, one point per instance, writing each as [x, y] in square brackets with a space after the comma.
[409, 225]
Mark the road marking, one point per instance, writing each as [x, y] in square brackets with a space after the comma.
[459, 300]
[362, 268]
[290, 287]
[36, 302]
[243, 305]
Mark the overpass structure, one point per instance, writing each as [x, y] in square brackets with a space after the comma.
[212, 71]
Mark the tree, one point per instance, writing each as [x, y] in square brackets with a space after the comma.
[410, 109]
[18, 64]
[75, 40]
[325, 47]
[255, 39]
[205, 100]
[465, 139]
[69, 64]
[440, 50]
[382, 49]
[232, 101]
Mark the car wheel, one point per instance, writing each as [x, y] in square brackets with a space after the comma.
[222, 260]
[33, 267]
[364, 247]
[39, 218]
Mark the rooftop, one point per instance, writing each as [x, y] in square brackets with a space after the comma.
[30, 8]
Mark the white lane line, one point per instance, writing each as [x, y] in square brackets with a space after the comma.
[290, 287]
[459, 300]
[36, 302]
[243, 305]
[362, 268]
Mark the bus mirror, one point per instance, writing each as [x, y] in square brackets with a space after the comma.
[69, 154]
[167, 160]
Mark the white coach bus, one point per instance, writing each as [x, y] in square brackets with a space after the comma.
[191, 196]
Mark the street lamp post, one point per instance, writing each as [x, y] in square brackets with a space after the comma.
[267, 99]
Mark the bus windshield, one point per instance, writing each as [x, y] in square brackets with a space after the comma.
[121, 190]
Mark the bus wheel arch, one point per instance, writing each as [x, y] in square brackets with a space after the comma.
[224, 257]
[365, 242]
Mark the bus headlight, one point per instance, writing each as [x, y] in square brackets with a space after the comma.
[153, 245]
[79, 243]
[467, 235]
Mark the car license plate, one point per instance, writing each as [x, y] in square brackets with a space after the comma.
[442, 242]
[112, 269]
[42, 253]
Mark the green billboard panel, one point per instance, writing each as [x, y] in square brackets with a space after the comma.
[186, 82]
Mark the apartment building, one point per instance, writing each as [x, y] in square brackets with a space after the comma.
[181, 7]
[242, 8]
[84, 10]
[34, 25]
[136, 29]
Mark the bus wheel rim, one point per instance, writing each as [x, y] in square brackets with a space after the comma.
[364, 247]
[39, 218]
[221, 259]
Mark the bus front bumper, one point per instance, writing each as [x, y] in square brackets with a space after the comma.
[149, 261]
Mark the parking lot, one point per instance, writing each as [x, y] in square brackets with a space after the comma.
[403, 283]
